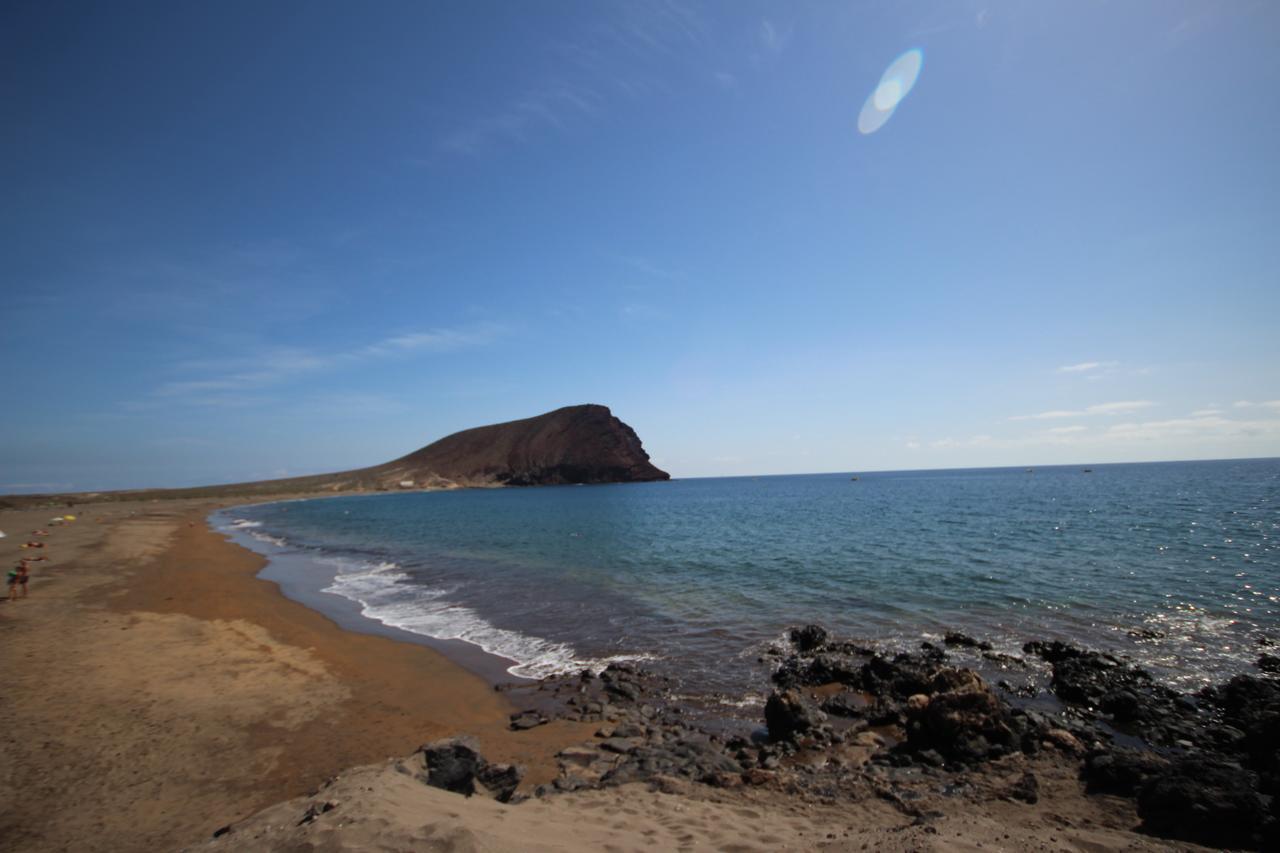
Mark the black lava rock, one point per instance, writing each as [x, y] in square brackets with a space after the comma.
[1204, 800]
[500, 780]
[452, 764]
[955, 638]
[789, 713]
[808, 638]
[1122, 772]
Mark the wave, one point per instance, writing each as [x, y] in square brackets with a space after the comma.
[267, 537]
[250, 527]
[387, 594]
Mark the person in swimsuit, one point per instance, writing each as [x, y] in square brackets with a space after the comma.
[13, 584]
[23, 577]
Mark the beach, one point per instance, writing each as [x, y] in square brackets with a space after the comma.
[157, 689]
[162, 692]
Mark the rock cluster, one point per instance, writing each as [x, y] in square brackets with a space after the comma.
[948, 715]
[845, 719]
[455, 764]
[1213, 776]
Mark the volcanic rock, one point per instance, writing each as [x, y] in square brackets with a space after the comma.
[1122, 771]
[808, 638]
[790, 713]
[1204, 800]
[456, 765]
[966, 724]
[576, 444]
[955, 638]
[452, 764]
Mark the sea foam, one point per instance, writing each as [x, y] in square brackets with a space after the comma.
[386, 594]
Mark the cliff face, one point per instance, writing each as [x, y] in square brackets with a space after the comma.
[576, 444]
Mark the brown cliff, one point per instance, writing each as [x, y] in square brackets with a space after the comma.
[576, 444]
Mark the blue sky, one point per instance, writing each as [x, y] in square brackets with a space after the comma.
[245, 240]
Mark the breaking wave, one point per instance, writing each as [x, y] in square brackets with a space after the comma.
[388, 595]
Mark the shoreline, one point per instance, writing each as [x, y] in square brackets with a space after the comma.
[1140, 639]
[292, 573]
[165, 688]
[165, 693]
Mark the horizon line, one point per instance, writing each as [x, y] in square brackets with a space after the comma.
[857, 471]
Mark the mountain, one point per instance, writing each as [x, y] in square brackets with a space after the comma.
[576, 444]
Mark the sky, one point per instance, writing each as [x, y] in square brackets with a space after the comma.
[244, 240]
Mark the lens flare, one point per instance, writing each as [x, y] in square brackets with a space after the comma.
[887, 95]
[894, 85]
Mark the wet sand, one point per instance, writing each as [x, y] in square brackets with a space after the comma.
[160, 690]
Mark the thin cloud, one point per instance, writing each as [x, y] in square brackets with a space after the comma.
[1203, 427]
[552, 106]
[974, 441]
[1087, 366]
[772, 38]
[1209, 431]
[1116, 408]
[435, 340]
[1249, 404]
[628, 54]
[233, 378]
[648, 267]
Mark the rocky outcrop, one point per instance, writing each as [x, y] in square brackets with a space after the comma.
[577, 444]
[790, 713]
[1206, 800]
[455, 764]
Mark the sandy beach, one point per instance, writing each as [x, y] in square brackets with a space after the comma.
[160, 690]
[163, 692]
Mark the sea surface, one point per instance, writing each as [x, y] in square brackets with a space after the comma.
[1175, 565]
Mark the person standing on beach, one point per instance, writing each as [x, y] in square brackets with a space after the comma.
[23, 576]
[13, 581]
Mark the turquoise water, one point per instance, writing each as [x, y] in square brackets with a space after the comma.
[697, 576]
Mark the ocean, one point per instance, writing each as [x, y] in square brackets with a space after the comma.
[1173, 565]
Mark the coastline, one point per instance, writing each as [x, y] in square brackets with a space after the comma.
[162, 688]
[166, 694]
[293, 574]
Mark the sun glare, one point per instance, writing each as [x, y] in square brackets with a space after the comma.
[893, 87]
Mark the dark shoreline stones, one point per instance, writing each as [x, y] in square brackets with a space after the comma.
[455, 764]
[845, 719]
[955, 638]
[1205, 800]
[808, 638]
[791, 713]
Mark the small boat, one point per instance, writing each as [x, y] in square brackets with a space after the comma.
[853, 478]
[1086, 470]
